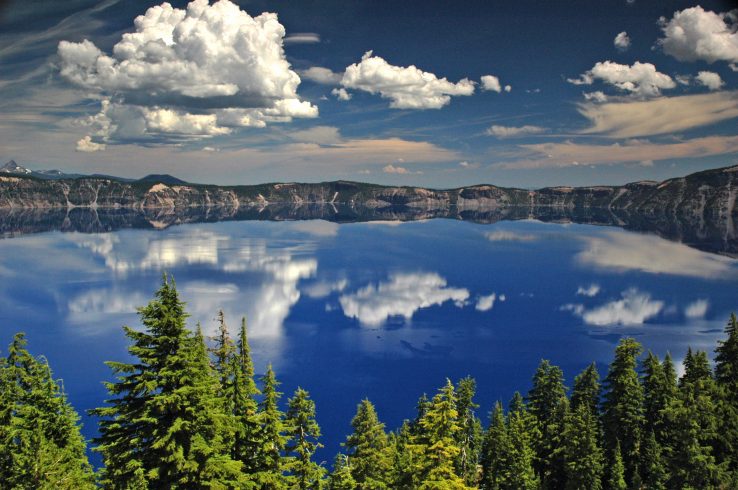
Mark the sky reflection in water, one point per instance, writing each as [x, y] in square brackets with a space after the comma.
[379, 310]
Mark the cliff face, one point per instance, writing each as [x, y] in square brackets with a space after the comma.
[711, 193]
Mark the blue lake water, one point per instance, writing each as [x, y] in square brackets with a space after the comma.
[382, 310]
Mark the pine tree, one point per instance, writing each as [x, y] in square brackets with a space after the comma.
[582, 452]
[653, 468]
[165, 422]
[658, 389]
[440, 424]
[368, 448]
[521, 474]
[616, 476]
[40, 441]
[545, 404]
[726, 376]
[623, 417]
[469, 437]
[247, 445]
[341, 478]
[586, 390]
[495, 450]
[270, 472]
[303, 432]
[517, 403]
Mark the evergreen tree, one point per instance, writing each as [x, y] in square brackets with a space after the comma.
[303, 432]
[653, 468]
[623, 417]
[616, 477]
[341, 478]
[164, 424]
[545, 404]
[517, 403]
[270, 472]
[495, 448]
[726, 376]
[586, 390]
[469, 437]
[440, 425]
[368, 448]
[658, 389]
[582, 452]
[520, 471]
[41, 446]
[247, 444]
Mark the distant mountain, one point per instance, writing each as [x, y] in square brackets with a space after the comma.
[162, 179]
[13, 168]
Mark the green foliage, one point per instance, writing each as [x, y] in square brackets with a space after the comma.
[582, 452]
[341, 478]
[616, 476]
[303, 433]
[269, 474]
[368, 449]
[469, 436]
[40, 442]
[623, 417]
[586, 391]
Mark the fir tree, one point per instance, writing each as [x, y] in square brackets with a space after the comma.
[368, 448]
[582, 452]
[469, 436]
[40, 441]
[164, 424]
[495, 450]
[303, 432]
[616, 476]
[586, 390]
[726, 376]
[623, 417]
[658, 389]
[653, 468]
[517, 403]
[270, 472]
[247, 444]
[341, 478]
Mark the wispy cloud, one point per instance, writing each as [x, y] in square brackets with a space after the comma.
[634, 308]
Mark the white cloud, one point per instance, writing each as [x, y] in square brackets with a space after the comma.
[697, 309]
[323, 289]
[396, 169]
[590, 291]
[486, 303]
[513, 131]
[634, 308]
[508, 88]
[406, 87]
[698, 34]
[492, 83]
[402, 295]
[710, 80]
[665, 115]
[88, 146]
[629, 251]
[596, 96]
[188, 72]
[468, 165]
[622, 41]
[508, 236]
[321, 75]
[322, 135]
[302, 38]
[341, 94]
[641, 79]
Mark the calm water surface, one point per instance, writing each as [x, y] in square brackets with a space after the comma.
[379, 310]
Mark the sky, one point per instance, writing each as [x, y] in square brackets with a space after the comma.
[441, 94]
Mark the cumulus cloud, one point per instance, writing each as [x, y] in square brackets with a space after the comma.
[710, 80]
[322, 289]
[698, 34]
[402, 295]
[596, 96]
[88, 146]
[514, 131]
[640, 79]
[193, 72]
[636, 118]
[590, 291]
[698, 309]
[405, 87]
[508, 236]
[634, 308]
[397, 169]
[486, 303]
[622, 41]
[341, 94]
[622, 251]
[321, 75]
[492, 83]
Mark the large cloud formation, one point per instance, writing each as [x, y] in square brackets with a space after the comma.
[196, 72]
[698, 34]
[640, 79]
[406, 87]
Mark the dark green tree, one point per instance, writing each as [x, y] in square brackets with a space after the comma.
[303, 433]
[658, 388]
[368, 448]
[623, 417]
[582, 452]
[653, 468]
[164, 424]
[270, 472]
[586, 390]
[726, 376]
[469, 436]
[616, 474]
[41, 446]
[341, 478]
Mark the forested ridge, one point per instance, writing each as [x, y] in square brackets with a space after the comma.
[188, 412]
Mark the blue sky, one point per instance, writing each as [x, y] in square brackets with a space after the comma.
[432, 93]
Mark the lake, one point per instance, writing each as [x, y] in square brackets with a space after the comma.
[383, 309]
